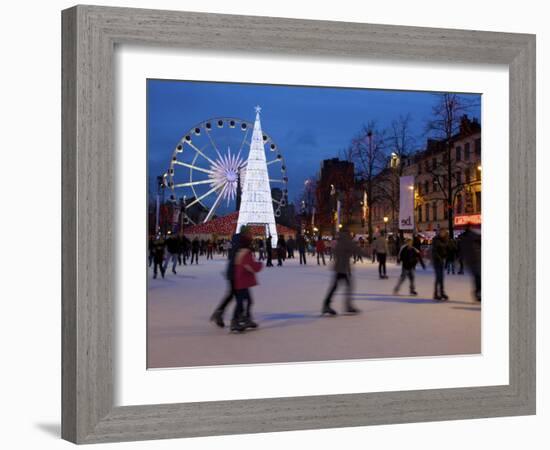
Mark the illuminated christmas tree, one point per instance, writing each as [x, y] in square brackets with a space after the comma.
[256, 203]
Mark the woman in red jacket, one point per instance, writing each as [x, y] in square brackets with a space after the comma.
[320, 248]
[245, 277]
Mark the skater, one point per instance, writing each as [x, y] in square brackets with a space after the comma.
[320, 248]
[195, 248]
[281, 250]
[158, 256]
[186, 245]
[332, 246]
[180, 249]
[209, 250]
[358, 256]
[344, 250]
[451, 256]
[409, 257]
[471, 249]
[150, 249]
[245, 268]
[373, 249]
[301, 244]
[290, 245]
[217, 315]
[439, 255]
[381, 248]
[172, 247]
[261, 249]
[416, 242]
[269, 251]
[460, 254]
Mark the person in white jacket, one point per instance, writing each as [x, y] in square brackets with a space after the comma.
[381, 248]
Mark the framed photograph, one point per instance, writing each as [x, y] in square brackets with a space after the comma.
[277, 224]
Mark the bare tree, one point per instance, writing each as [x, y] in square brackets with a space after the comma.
[401, 140]
[368, 151]
[401, 143]
[447, 114]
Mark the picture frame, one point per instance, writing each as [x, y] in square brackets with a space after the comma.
[89, 37]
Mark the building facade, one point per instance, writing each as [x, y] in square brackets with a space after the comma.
[430, 168]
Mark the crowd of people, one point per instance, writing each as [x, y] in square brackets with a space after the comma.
[246, 256]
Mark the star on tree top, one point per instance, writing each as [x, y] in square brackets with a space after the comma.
[257, 108]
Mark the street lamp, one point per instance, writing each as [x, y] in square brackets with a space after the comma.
[385, 224]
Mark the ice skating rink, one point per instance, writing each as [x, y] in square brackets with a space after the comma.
[287, 306]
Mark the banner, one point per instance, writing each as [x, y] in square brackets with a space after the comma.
[406, 203]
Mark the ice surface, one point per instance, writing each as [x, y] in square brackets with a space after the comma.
[287, 307]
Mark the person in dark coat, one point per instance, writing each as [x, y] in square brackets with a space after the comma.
[290, 245]
[150, 249]
[195, 249]
[269, 251]
[301, 244]
[417, 243]
[209, 249]
[408, 257]
[460, 254]
[172, 246]
[217, 315]
[345, 248]
[451, 256]
[281, 250]
[439, 256]
[471, 249]
[158, 256]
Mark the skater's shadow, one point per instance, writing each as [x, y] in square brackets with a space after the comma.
[388, 298]
[280, 320]
[468, 308]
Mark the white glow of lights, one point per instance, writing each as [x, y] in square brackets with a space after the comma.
[256, 202]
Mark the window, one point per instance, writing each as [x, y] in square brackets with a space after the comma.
[434, 163]
[467, 175]
[434, 207]
[458, 177]
[478, 201]
[426, 187]
[477, 146]
[458, 153]
[467, 151]
[427, 212]
[459, 204]
[434, 185]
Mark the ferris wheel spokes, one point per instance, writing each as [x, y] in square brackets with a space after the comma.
[215, 205]
[203, 196]
[194, 147]
[191, 166]
[193, 183]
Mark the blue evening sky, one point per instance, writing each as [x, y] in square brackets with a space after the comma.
[308, 124]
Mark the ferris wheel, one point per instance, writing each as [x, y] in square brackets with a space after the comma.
[208, 166]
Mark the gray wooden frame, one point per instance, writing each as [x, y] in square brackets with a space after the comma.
[89, 37]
